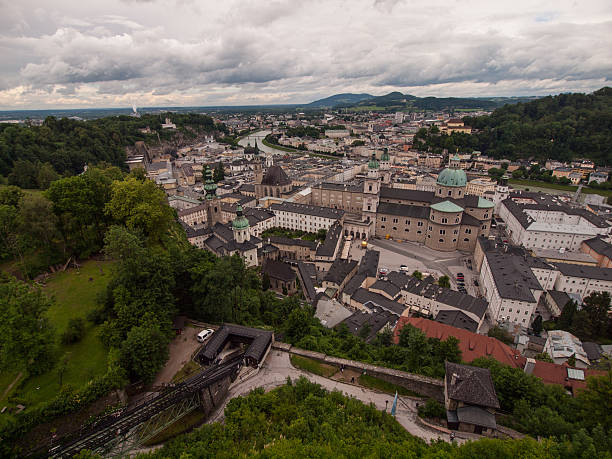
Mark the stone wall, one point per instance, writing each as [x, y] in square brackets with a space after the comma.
[214, 395]
[423, 385]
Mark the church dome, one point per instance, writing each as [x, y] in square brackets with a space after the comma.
[452, 177]
[373, 164]
[240, 222]
[385, 156]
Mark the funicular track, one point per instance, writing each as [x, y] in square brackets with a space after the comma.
[118, 434]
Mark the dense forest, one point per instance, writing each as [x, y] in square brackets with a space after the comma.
[562, 127]
[33, 156]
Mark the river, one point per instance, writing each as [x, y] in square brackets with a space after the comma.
[259, 136]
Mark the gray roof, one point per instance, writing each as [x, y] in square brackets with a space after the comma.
[406, 195]
[339, 270]
[560, 298]
[362, 296]
[275, 176]
[457, 319]
[306, 281]
[600, 246]
[358, 188]
[307, 209]
[330, 243]
[588, 272]
[513, 276]
[259, 341]
[472, 385]
[369, 263]
[428, 289]
[354, 284]
[278, 270]
[385, 286]
[593, 350]
[403, 210]
[476, 416]
[376, 319]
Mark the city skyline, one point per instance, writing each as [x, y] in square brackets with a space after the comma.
[185, 53]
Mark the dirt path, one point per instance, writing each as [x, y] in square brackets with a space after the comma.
[181, 349]
[10, 386]
[277, 368]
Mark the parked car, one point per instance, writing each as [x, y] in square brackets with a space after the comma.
[404, 268]
[204, 335]
[383, 271]
[459, 274]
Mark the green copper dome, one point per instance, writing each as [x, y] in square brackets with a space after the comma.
[240, 222]
[385, 156]
[452, 177]
[446, 206]
[373, 164]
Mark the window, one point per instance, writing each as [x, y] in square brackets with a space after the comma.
[407, 222]
[468, 231]
[449, 192]
[456, 232]
[429, 228]
[395, 228]
[441, 240]
[420, 224]
[445, 220]
[484, 226]
[382, 226]
[383, 219]
[466, 240]
[395, 220]
[486, 216]
[442, 231]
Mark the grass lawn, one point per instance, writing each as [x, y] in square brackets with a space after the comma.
[74, 296]
[188, 369]
[384, 386]
[312, 366]
[558, 186]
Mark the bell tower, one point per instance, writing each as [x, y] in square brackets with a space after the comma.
[371, 188]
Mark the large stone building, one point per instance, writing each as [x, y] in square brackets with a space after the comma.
[446, 219]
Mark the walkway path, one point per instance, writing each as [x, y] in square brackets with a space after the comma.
[277, 368]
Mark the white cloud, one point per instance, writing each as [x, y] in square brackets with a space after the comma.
[253, 52]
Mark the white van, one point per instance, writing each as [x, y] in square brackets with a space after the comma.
[204, 334]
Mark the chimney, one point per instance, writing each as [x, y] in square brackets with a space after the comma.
[454, 379]
[529, 366]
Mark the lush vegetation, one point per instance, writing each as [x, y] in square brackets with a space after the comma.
[295, 234]
[301, 419]
[592, 322]
[548, 411]
[34, 156]
[560, 127]
[415, 353]
[312, 366]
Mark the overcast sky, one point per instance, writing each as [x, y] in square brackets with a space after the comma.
[115, 53]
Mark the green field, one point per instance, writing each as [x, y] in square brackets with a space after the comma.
[75, 295]
[312, 366]
[557, 186]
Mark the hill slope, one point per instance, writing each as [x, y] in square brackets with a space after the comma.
[339, 99]
[561, 127]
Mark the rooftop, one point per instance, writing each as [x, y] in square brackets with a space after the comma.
[471, 385]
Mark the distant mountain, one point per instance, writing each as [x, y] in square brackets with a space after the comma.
[399, 101]
[339, 99]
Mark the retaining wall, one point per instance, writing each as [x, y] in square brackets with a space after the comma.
[422, 385]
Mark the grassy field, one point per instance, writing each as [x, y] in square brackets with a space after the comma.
[312, 366]
[558, 186]
[75, 296]
[279, 147]
[188, 369]
[384, 386]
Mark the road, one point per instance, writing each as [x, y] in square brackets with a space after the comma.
[277, 368]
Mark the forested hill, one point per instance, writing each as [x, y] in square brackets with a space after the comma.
[560, 127]
[32, 156]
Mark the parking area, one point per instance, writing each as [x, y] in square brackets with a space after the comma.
[394, 255]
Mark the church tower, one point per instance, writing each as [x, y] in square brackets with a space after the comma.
[213, 208]
[385, 167]
[240, 227]
[371, 188]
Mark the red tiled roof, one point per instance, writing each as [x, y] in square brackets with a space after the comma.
[473, 346]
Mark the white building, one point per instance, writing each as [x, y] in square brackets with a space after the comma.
[305, 217]
[561, 345]
[583, 279]
[544, 225]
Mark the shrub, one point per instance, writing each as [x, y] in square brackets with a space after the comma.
[74, 331]
[432, 409]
